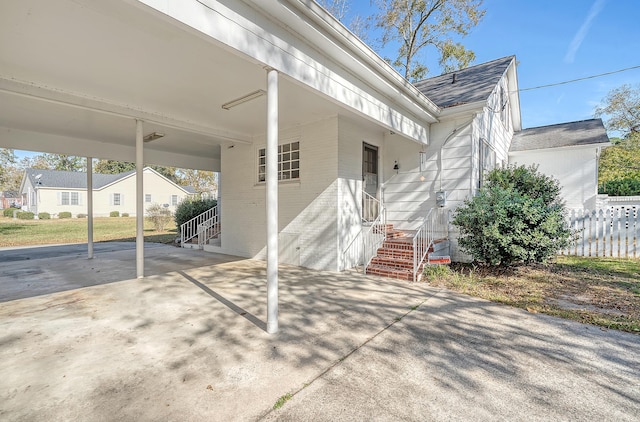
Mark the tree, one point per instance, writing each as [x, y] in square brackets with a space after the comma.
[7, 159]
[418, 24]
[202, 181]
[517, 217]
[340, 10]
[619, 166]
[113, 167]
[621, 110]
[64, 162]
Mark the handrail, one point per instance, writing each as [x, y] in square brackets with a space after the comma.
[373, 238]
[434, 226]
[189, 230]
[371, 207]
[364, 246]
[208, 230]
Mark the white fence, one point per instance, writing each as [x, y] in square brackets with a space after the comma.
[612, 232]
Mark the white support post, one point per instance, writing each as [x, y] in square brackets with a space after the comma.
[272, 201]
[90, 207]
[139, 200]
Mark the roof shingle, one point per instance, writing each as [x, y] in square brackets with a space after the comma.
[471, 85]
[583, 132]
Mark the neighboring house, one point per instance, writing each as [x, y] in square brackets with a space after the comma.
[55, 191]
[567, 151]
[10, 199]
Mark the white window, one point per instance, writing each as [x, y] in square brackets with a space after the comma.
[288, 162]
[117, 200]
[147, 197]
[75, 198]
[174, 200]
[64, 198]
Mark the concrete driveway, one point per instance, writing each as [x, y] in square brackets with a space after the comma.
[190, 345]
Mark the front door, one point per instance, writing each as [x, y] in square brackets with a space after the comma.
[369, 182]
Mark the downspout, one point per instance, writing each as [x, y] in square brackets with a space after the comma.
[456, 130]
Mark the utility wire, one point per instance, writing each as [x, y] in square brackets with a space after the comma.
[579, 79]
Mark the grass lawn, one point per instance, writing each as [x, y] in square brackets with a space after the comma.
[599, 291]
[74, 230]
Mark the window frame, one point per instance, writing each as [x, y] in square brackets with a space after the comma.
[118, 202]
[65, 198]
[288, 162]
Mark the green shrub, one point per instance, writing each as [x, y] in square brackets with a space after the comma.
[621, 187]
[25, 215]
[190, 208]
[64, 214]
[114, 214]
[516, 217]
[125, 214]
[8, 212]
[81, 216]
[159, 216]
[44, 216]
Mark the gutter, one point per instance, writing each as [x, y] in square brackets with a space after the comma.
[362, 51]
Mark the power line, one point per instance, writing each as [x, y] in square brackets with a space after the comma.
[579, 79]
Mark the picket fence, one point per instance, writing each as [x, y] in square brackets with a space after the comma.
[610, 232]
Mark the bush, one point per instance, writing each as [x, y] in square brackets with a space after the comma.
[8, 212]
[517, 217]
[621, 187]
[125, 214]
[114, 214]
[64, 214]
[81, 215]
[190, 208]
[159, 216]
[25, 215]
[44, 216]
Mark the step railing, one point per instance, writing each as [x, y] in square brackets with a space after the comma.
[371, 207]
[191, 228]
[373, 238]
[207, 230]
[434, 226]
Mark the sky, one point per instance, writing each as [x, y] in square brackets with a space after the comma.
[553, 41]
[556, 41]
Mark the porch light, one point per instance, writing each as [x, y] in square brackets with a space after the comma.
[152, 136]
[396, 167]
[251, 96]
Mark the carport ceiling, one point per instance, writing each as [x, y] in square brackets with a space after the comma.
[86, 69]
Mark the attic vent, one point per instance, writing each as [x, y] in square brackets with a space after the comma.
[453, 81]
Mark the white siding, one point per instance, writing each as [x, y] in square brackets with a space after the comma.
[575, 168]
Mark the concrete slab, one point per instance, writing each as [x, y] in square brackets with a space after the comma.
[190, 345]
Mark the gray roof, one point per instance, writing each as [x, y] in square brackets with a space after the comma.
[471, 85]
[71, 179]
[583, 132]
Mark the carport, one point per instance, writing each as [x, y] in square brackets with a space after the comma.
[172, 83]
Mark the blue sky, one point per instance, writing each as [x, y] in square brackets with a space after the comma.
[556, 41]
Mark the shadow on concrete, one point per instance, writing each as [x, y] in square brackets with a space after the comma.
[35, 271]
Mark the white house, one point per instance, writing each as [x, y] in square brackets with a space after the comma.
[55, 191]
[303, 120]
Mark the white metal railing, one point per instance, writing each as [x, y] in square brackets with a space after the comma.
[371, 207]
[209, 229]
[373, 238]
[434, 226]
[352, 255]
[192, 228]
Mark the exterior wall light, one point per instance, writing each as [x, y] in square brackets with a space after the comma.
[396, 167]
